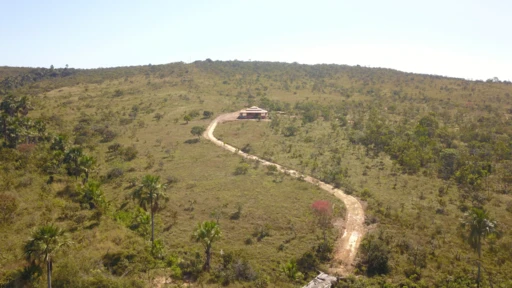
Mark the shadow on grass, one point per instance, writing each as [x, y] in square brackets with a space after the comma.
[192, 141]
[92, 226]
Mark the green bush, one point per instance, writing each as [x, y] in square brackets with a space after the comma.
[374, 256]
[242, 169]
[130, 153]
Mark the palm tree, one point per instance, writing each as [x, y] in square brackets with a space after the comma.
[43, 244]
[150, 192]
[72, 161]
[479, 226]
[93, 196]
[207, 233]
[86, 163]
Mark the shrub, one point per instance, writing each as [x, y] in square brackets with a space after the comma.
[115, 173]
[242, 169]
[108, 135]
[233, 268]
[114, 147]
[158, 116]
[125, 121]
[130, 153]
[290, 131]
[308, 264]
[8, 207]
[197, 131]
[374, 256]
[247, 148]
[118, 93]
[261, 231]
[207, 114]
[271, 169]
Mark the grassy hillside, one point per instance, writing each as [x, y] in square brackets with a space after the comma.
[419, 150]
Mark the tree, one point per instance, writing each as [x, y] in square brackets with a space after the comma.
[291, 271]
[150, 192]
[207, 233]
[374, 256]
[43, 245]
[93, 196]
[72, 160]
[478, 225]
[86, 163]
[207, 114]
[323, 213]
[197, 131]
[187, 118]
[290, 131]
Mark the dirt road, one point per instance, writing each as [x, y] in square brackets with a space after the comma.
[348, 243]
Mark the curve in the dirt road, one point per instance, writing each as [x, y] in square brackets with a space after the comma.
[347, 245]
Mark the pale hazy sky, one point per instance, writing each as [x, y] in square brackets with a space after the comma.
[467, 39]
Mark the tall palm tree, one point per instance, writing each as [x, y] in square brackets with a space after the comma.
[478, 224]
[150, 193]
[43, 245]
[207, 233]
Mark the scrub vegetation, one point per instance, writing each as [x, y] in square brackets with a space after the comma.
[112, 160]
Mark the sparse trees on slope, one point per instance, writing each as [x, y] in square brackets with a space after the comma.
[43, 245]
[207, 233]
[149, 193]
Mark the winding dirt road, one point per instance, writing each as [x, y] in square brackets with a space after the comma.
[348, 243]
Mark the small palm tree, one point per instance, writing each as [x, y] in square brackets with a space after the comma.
[207, 233]
[43, 245]
[86, 164]
[93, 196]
[479, 226]
[150, 192]
[72, 161]
[291, 271]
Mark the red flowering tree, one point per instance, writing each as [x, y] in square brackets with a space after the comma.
[322, 210]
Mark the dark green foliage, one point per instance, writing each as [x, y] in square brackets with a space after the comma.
[290, 131]
[32, 76]
[247, 148]
[93, 196]
[448, 163]
[207, 114]
[119, 263]
[108, 135]
[234, 267]
[308, 264]
[197, 131]
[374, 256]
[242, 169]
[187, 118]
